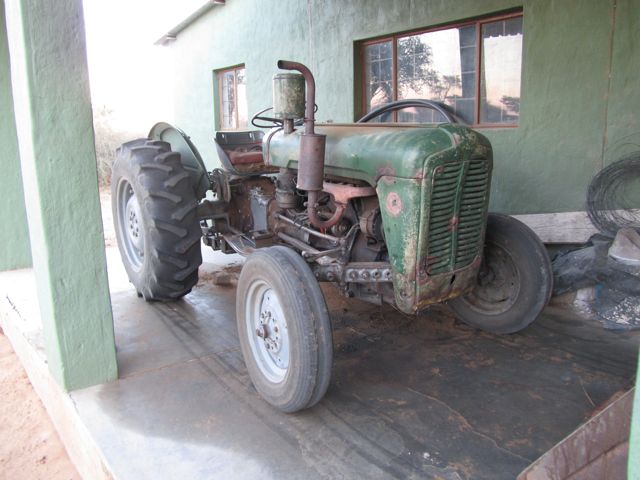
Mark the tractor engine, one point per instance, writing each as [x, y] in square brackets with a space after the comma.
[390, 212]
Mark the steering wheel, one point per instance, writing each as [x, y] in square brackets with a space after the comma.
[416, 102]
[272, 122]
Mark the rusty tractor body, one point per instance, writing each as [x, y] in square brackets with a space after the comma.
[389, 213]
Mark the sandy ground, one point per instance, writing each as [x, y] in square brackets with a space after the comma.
[29, 445]
[107, 217]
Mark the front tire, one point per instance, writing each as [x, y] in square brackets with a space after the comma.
[154, 211]
[515, 280]
[284, 329]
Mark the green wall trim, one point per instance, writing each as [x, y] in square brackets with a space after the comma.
[55, 136]
[15, 251]
[579, 79]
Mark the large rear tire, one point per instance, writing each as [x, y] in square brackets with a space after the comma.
[515, 280]
[154, 211]
[284, 329]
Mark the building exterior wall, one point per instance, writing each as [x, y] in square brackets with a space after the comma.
[579, 95]
[15, 251]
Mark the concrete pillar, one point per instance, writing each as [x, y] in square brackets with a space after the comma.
[14, 235]
[55, 137]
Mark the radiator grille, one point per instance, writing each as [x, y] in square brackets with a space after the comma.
[458, 211]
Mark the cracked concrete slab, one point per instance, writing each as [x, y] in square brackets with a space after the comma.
[422, 397]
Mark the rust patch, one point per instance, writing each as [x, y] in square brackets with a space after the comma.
[453, 223]
[386, 173]
[393, 204]
[343, 193]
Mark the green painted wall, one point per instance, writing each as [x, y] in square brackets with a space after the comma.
[15, 251]
[54, 127]
[579, 79]
[623, 122]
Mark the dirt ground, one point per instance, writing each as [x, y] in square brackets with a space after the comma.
[107, 217]
[30, 448]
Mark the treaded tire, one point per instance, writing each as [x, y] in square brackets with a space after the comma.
[161, 252]
[282, 271]
[515, 282]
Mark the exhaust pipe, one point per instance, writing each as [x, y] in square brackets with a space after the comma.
[311, 164]
[312, 146]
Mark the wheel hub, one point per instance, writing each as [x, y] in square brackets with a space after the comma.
[268, 332]
[270, 328]
[130, 224]
[133, 225]
[498, 281]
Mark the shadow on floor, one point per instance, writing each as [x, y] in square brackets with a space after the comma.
[410, 397]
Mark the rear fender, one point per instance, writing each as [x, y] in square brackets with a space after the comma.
[189, 155]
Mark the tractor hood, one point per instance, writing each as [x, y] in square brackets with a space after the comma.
[367, 152]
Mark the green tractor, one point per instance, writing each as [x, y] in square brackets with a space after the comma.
[388, 212]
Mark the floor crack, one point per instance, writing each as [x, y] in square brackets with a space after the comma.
[466, 423]
[15, 309]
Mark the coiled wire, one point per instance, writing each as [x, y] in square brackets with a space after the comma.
[613, 197]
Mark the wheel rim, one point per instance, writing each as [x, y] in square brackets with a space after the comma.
[266, 328]
[498, 284]
[130, 223]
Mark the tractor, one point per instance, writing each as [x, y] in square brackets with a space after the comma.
[388, 212]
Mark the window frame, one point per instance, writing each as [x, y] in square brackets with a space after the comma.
[394, 38]
[219, 118]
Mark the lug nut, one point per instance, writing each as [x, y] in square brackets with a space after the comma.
[261, 331]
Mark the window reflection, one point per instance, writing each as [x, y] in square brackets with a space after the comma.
[228, 100]
[439, 66]
[233, 99]
[442, 66]
[501, 64]
[378, 77]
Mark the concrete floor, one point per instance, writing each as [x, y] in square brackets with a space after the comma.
[410, 397]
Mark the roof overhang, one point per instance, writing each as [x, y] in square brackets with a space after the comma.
[172, 34]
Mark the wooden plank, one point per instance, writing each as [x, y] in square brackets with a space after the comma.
[564, 227]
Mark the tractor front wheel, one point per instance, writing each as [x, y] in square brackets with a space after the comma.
[284, 329]
[515, 280]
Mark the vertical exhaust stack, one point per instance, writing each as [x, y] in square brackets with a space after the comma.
[311, 164]
[312, 145]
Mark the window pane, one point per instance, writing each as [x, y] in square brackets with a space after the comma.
[228, 100]
[378, 75]
[439, 66]
[500, 73]
[233, 112]
[420, 115]
[243, 110]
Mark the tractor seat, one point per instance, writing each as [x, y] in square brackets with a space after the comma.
[241, 152]
[244, 158]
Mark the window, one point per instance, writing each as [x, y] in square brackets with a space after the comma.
[233, 98]
[473, 68]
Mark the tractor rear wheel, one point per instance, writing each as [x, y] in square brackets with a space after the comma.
[284, 329]
[154, 211]
[515, 280]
